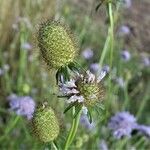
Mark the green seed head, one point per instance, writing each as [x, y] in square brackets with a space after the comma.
[92, 92]
[45, 124]
[57, 44]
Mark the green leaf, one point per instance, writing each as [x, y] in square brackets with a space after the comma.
[78, 108]
[69, 107]
[89, 115]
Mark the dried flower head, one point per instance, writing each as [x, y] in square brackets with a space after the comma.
[122, 124]
[22, 105]
[57, 45]
[85, 89]
[45, 124]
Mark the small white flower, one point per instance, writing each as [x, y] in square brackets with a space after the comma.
[75, 98]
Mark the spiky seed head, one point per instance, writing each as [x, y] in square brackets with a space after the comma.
[45, 124]
[92, 92]
[57, 44]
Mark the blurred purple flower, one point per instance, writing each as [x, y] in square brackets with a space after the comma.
[87, 53]
[125, 55]
[22, 105]
[103, 145]
[127, 3]
[122, 124]
[85, 122]
[146, 61]
[124, 30]
[94, 67]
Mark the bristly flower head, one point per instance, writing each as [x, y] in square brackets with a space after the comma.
[45, 124]
[122, 124]
[85, 89]
[57, 45]
[22, 105]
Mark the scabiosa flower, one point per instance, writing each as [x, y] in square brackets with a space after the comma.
[122, 124]
[125, 55]
[22, 105]
[85, 123]
[85, 89]
[87, 53]
[124, 30]
[45, 124]
[57, 44]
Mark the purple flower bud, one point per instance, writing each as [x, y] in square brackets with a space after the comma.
[22, 105]
[94, 67]
[125, 55]
[124, 30]
[87, 53]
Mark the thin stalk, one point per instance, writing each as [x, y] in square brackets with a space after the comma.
[54, 146]
[73, 129]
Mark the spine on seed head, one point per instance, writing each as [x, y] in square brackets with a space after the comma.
[57, 44]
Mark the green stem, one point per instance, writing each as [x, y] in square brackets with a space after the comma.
[54, 145]
[73, 129]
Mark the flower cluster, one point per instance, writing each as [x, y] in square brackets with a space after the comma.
[22, 105]
[124, 123]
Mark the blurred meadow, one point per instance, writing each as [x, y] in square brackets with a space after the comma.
[23, 72]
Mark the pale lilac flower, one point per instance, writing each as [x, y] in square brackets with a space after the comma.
[125, 55]
[124, 30]
[146, 61]
[22, 105]
[85, 122]
[87, 53]
[122, 124]
[103, 145]
[26, 46]
[127, 3]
